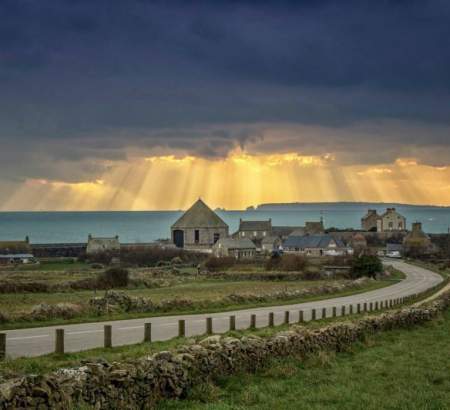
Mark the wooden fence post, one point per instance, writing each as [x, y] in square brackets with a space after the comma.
[334, 311]
[59, 341]
[253, 321]
[376, 305]
[181, 328]
[358, 308]
[107, 336]
[147, 332]
[271, 319]
[209, 326]
[2, 346]
[365, 307]
[301, 318]
[324, 313]
[286, 317]
[343, 310]
[232, 322]
[370, 306]
[350, 309]
[313, 314]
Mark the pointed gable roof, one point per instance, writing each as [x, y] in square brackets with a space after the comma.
[199, 215]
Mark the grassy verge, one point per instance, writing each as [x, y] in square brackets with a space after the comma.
[42, 364]
[400, 369]
[445, 273]
[204, 290]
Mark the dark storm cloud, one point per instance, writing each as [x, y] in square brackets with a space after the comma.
[86, 79]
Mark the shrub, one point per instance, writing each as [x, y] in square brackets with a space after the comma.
[287, 263]
[366, 265]
[215, 264]
[157, 256]
[114, 278]
[293, 263]
[176, 260]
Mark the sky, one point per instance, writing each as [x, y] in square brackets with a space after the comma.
[142, 105]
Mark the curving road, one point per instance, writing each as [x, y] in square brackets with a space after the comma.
[39, 341]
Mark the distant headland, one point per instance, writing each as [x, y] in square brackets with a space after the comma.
[274, 206]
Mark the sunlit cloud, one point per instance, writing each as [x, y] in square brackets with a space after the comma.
[235, 182]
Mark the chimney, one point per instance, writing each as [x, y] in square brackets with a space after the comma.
[417, 227]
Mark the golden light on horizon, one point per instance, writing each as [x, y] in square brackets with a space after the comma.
[237, 181]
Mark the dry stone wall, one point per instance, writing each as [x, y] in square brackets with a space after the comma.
[140, 384]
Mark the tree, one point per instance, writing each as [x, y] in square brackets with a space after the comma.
[366, 265]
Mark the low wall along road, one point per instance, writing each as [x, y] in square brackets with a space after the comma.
[39, 341]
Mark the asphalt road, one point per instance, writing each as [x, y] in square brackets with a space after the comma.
[39, 341]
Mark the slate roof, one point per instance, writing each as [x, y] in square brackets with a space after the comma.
[241, 243]
[269, 240]
[17, 256]
[284, 230]
[299, 231]
[255, 225]
[311, 242]
[199, 215]
[10, 247]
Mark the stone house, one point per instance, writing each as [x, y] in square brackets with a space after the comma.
[369, 222]
[417, 239]
[239, 248]
[391, 220]
[254, 229]
[198, 228]
[102, 245]
[315, 245]
[270, 244]
[358, 242]
[15, 247]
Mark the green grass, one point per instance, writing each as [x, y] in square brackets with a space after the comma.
[206, 290]
[52, 266]
[402, 369]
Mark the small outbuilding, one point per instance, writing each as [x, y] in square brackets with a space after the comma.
[239, 248]
[17, 259]
[102, 245]
[198, 228]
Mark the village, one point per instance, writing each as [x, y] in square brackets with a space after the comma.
[200, 229]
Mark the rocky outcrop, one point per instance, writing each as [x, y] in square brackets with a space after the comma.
[140, 384]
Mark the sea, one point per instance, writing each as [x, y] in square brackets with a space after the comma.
[148, 226]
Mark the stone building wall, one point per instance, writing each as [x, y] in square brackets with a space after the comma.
[206, 237]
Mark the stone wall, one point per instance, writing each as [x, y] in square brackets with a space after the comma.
[140, 384]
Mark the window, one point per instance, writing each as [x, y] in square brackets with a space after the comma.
[197, 236]
[264, 233]
[255, 233]
[216, 237]
[242, 234]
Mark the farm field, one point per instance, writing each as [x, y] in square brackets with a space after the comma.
[203, 293]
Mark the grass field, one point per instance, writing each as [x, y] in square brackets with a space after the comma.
[207, 291]
[402, 369]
